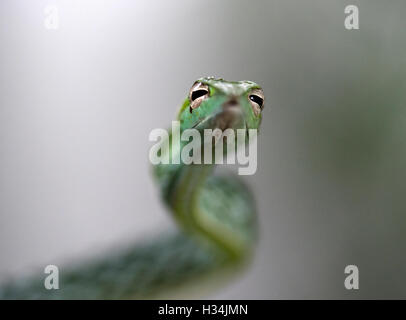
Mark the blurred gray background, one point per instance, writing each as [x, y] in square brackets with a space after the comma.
[77, 105]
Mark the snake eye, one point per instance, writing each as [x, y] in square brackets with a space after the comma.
[256, 98]
[198, 93]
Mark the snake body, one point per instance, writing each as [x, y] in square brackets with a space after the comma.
[216, 215]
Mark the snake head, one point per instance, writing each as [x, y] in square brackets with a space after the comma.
[216, 103]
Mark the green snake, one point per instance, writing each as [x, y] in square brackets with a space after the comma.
[215, 213]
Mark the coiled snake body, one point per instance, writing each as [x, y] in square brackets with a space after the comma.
[216, 215]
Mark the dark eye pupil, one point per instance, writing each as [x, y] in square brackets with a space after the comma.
[198, 93]
[256, 99]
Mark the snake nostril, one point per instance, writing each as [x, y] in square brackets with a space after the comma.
[231, 103]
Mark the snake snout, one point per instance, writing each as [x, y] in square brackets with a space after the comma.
[231, 115]
[231, 103]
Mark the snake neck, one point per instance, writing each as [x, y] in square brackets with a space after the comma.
[218, 210]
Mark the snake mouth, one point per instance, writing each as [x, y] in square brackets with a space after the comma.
[226, 118]
[230, 118]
